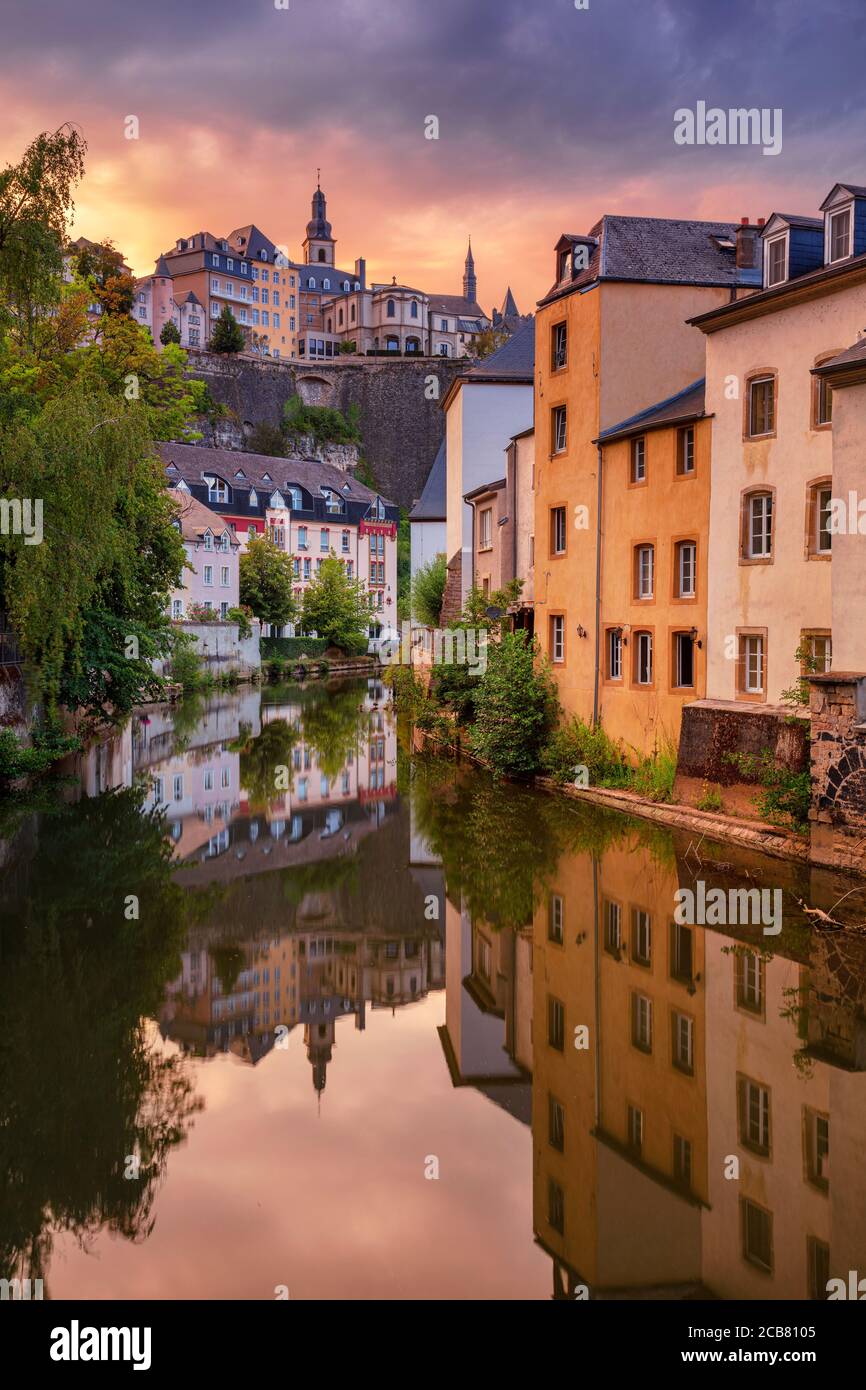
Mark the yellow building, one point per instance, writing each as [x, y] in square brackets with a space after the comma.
[655, 508]
[611, 340]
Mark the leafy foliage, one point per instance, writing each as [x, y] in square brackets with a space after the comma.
[169, 333]
[324, 424]
[266, 582]
[515, 707]
[785, 797]
[267, 439]
[428, 590]
[227, 335]
[336, 607]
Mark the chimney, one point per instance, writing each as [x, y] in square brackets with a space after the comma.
[361, 271]
[748, 240]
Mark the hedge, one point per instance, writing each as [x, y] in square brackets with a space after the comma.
[293, 648]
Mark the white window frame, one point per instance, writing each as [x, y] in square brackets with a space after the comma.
[687, 569]
[645, 572]
[760, 526]
[614, 654]
[832, 216]
[557, 645]
[771, 242]
[644, 658]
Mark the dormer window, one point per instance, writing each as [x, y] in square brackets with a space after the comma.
[254, 499]
[296, 501]
[266, 477]
[563, 262]
[208, 541]
[839, 235]
[777, 260]
[217, 490]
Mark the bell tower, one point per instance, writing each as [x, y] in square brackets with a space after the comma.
[318, 243]
[470, 283]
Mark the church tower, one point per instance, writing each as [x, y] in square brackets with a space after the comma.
[318, 243]
[470, 283]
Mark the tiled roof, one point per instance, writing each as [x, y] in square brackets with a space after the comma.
[431, 505]
[688, 404]
[456, 305]
[655, 250]
[195, 518]
[763, 301]
[796, 219]
[515, 358]
[193, 461]
[854, 356]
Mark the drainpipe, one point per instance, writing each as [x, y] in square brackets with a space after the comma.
[597, 590]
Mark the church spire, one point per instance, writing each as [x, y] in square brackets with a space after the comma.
[470, 282]
[319, 243]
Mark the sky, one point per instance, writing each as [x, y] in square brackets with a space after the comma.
[548, 116]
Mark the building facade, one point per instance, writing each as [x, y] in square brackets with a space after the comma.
[212, 575]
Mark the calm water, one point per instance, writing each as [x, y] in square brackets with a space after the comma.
[282, 1005]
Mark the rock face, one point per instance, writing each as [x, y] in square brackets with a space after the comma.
[399, 403]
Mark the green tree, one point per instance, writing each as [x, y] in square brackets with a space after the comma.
[35, 211]
[325, 425]
[267, 439]
[266, 582]
[515, 707]
[337, 607]
[428, 591]
[227, 334]
[170, 333]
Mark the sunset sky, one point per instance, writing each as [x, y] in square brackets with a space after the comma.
[549, 116]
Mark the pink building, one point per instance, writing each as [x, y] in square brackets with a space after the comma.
[212, 552]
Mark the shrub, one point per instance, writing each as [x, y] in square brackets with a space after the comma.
[243, 617]
[292, 648]
[515, 707]
[325, 425]
[266, 439]
[576, 744]
[48, 745]
[655, 773]
[187, 668]
[785, 797]
[710, 798]
[428, 590]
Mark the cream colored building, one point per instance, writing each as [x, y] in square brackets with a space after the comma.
[770, 595]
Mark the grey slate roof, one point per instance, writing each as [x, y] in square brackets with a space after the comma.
[515, 358]
[193, 461]
[687, 404]
[431, 504]
[656, 250]
[456, 305]
[796, 219]
[851, 357]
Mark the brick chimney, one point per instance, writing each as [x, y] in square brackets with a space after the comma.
[748, 245]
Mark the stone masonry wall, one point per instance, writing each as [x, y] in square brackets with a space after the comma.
[401, 425]
[838, 767]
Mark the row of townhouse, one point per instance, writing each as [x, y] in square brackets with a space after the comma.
[672, 462]
[311, 510]
[306, 308]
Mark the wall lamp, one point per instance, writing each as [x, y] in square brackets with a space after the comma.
[693, 633]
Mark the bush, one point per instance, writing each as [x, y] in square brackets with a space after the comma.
[243, 617]
[293, 648]
[325, 425]
[266, 439]
[515, 707]
[428, 591]
[187, 668]
[785, 797]
[48, 745]
[576, 744]
[710, 798]
[654, 775]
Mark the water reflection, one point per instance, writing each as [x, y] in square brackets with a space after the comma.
[389, 957]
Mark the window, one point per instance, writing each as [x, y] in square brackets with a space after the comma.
[208, 574]
[558, 346]
[816, 1134]
[638, 460]
[683, 1042]
[557, 530]
[614, 654]
[818, 1265]
[302, 538]
[555, 918]
[558, 429]
[754, 1108]
[751, 664]
[345, 542]
[686, 558]
[682, 1161]
[555, 1023]
[643, 658]
[644, 571]
[178, 786]
[840, 234]
[762, 406]
[612, 928]
[682, 953]
[750, 982]
[816, 650]
[635, 1128]
[224, 576]
[555, 1124]
[485, 527]
[822, 402]
[684, 661]
[820, 511]
[642, 1023]
[757, 1232]
[557, 638]
[686, 450]
[177, 608]
[759, 525]
[777, 255]
[217, 490]
[555, 1206]
[641, 937]
[324, 539]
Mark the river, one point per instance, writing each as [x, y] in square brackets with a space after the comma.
[289, 1010]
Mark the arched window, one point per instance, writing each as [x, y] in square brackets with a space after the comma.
[311, 284]
[340, 318]
[296, 499]
[328, 327]
[346, 286]
[392, 343]
[321, 255]
[326, 284]
[353, 313]
[414, 309]
[391, 309]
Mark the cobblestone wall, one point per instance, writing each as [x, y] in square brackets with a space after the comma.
[838, 768]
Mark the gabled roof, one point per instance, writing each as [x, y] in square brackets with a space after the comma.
[515, 358]
[195, 518]
[653, 251]
[825, 279]
[253, 242]
[855, 189]
[194, 461]
[431, 505]
[688, 404]
[456, 305]
[793, 219]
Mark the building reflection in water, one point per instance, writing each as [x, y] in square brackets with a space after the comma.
[308, 956]
[709, 1140]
